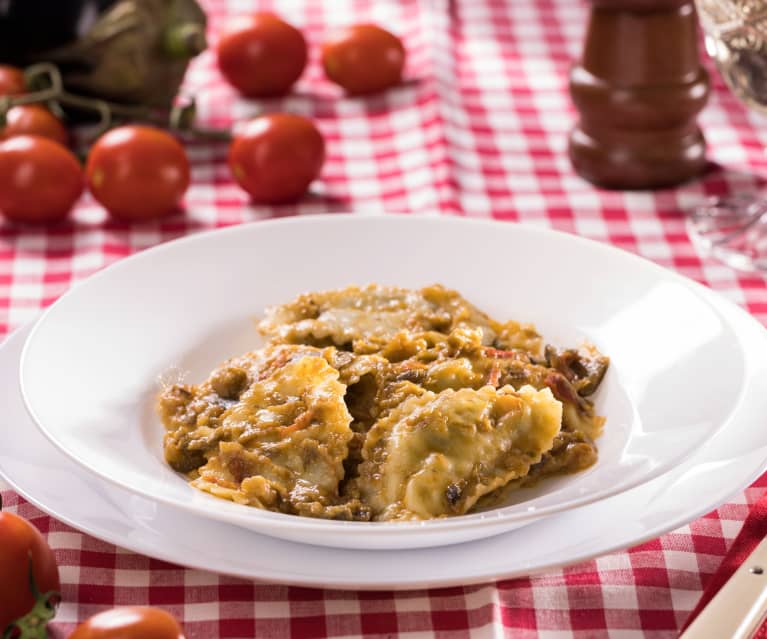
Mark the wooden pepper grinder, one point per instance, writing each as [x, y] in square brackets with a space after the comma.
[638, 89]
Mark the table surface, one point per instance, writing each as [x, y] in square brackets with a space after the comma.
[479, 129]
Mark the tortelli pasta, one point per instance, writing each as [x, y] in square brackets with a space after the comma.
[385, 404]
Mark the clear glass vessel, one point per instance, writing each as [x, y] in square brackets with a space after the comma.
[734, 228]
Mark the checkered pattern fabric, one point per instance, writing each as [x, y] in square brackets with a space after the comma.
[478, 129]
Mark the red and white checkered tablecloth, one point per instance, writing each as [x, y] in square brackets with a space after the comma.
[479, 129]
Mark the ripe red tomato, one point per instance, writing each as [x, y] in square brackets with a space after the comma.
[137, 172]
[18, 540]
[11, 80]
[364, 59]
[132, 622]
[33, 119]
[276, 156]
[40, 180]
[261, 55]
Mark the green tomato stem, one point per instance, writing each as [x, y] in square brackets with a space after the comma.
[34, 624]
[180, 120]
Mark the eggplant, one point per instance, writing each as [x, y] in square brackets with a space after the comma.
[133, 52]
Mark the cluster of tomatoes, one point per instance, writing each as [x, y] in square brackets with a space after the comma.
[362, 58]
[141, 172]
[25, 605]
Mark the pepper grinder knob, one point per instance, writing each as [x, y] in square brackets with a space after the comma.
[638, 89]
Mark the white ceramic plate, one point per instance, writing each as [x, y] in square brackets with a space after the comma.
[53, 482]
[684, 361]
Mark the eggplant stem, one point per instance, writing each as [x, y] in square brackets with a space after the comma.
[184, 41]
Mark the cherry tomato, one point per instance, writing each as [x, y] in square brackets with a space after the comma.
[33, 119]
[137, 172]
[364, 59]
[11, 80]
[40, 180]
[276, 156]
[132, 622]
[20, 540]
[261, 55]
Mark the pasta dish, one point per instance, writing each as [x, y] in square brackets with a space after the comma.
[385, 404]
